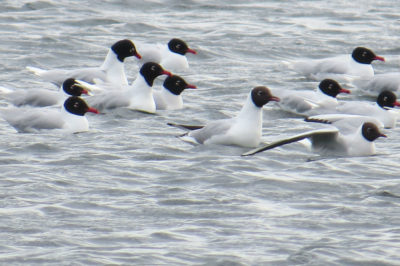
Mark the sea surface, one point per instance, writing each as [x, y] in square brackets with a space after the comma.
[128, 192]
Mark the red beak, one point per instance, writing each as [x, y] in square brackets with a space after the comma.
[344, 91]
[165, 72]
[191, 51]
[138, 56]
[382, 135]
[93, 110]
[190, 86]
[85, 92]
[396, 103]
[380, 58]
[275, 99]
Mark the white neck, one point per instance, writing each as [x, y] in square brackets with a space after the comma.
[250, 111]
[387, 116]
[74, 123]
[364, 146]
[141, 96]
[247, 129]
[362, 70]
[325, 99]
[62, 95]
[172, 101]
[172, 61]
[114, 69]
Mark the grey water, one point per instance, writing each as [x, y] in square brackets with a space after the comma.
[128, 192]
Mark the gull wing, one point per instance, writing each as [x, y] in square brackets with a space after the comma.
[214, 129]
[58, 76]
[346, 123]
[185, 127]
[32, 119]
[316, 136]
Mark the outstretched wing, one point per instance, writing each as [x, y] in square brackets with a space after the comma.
[316, 136]
[185, 127]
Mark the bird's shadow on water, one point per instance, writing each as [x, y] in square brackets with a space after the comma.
[385, 193]
[334, 157]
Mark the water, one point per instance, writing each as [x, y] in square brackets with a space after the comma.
[129, 192]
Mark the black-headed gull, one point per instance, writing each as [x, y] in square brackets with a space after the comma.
[381, 109]
[358, 64]
[169, 96]
[43, 97]
[111, 71]
[138, 96]
[69, 118]
[306, 102]
[171, 56]
[243, 130]
[349, 135]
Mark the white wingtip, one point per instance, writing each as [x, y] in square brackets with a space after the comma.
[188, 139]
[90, 87]
[35, 70]
[4, 90]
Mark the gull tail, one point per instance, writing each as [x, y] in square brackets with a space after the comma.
[35, 70]
[4, 90]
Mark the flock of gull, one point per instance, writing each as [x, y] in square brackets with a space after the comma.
[352, 126]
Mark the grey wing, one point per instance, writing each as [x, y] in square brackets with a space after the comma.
[297, 104]
[327, 65]
[214, 128]
[327, 142]
[25, 120]
[332, 67]
[160, 103]
[346, 123]
[109, 100]
[381, 82]
[58, 76]
[149, 52]
[317, 137]
[290, 101]
[39, 98]
[185, 127]
[87, 74]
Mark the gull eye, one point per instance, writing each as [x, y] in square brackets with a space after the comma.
[177, 83]
[364, 54]
[178, 46]
[153, 68]
[76, 105]
[259, 93]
